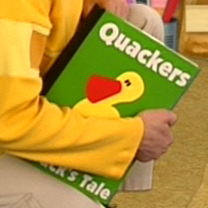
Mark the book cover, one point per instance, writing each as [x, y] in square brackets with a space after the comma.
[113, 69]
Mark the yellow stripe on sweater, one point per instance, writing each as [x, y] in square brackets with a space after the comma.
[31, 11]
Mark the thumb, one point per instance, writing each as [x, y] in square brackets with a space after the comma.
[172, 118]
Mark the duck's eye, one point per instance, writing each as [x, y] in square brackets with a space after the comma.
[127, 82]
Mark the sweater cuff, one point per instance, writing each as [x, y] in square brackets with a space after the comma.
[126, 157]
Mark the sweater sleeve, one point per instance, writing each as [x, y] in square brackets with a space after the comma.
[35, 129]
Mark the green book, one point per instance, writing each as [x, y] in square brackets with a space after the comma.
[113, 69]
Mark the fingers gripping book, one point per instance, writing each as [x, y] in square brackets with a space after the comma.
[112, 69]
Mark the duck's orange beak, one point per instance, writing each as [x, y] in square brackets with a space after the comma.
[99, 88]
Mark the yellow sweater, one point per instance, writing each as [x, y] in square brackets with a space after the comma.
[30, 126]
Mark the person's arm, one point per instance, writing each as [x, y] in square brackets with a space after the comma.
[33, 128]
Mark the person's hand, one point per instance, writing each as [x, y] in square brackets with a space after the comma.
[157, 134]
[117, 7]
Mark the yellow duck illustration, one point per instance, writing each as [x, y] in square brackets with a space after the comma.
[103, 93]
